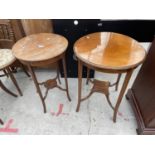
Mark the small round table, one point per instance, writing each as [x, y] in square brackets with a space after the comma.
[43, 49]
[111, 53]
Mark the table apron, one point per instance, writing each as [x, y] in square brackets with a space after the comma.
[44, 62]
[111, 71]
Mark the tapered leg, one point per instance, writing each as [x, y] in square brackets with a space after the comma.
[37, 86]
[88, 74]
[24, 69]
[13, 69]
[108, 99]
[125, 84]
[58, 72]
[117, 82]
[1, 122]
[14, 81]
[5, 72]
[80, 67]
[65, 76]
[6, 90]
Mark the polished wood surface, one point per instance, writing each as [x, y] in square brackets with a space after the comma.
[111, 53]
[40, 47]
[109, 50]
[43, 49]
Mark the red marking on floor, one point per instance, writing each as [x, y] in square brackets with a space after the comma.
[60, 109]
[8, 129]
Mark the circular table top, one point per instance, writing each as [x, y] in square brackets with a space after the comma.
[6, 58]
[39, 47]
[108, 50]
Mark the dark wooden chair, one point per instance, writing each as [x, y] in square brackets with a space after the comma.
[10, 65]
[7, 40]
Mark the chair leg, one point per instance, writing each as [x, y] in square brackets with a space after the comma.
[7, 90]
[14, 81]
[13, 69]
[5, 72]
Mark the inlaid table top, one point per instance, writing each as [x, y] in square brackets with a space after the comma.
[109, 50]
[40, 47]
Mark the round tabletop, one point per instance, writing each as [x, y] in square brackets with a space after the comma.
[109, 50]
[39, 47]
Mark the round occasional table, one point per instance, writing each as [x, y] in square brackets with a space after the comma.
[43, 49]
[111, 53]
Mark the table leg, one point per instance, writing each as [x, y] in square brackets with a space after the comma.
[125, 84]
[25, 70]
[65, 76]
[58, 72]
[117, 82]
[14, 80]
[88, 75]
[1, 122]
[37, 87]
[80, 67]
[7, 90]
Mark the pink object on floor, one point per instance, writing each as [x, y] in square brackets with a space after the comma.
[8, 129]
[60, 109]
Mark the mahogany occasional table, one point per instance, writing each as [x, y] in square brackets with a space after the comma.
[43, 49]
[111, 53]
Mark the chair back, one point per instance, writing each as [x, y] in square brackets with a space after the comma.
[7, 37]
